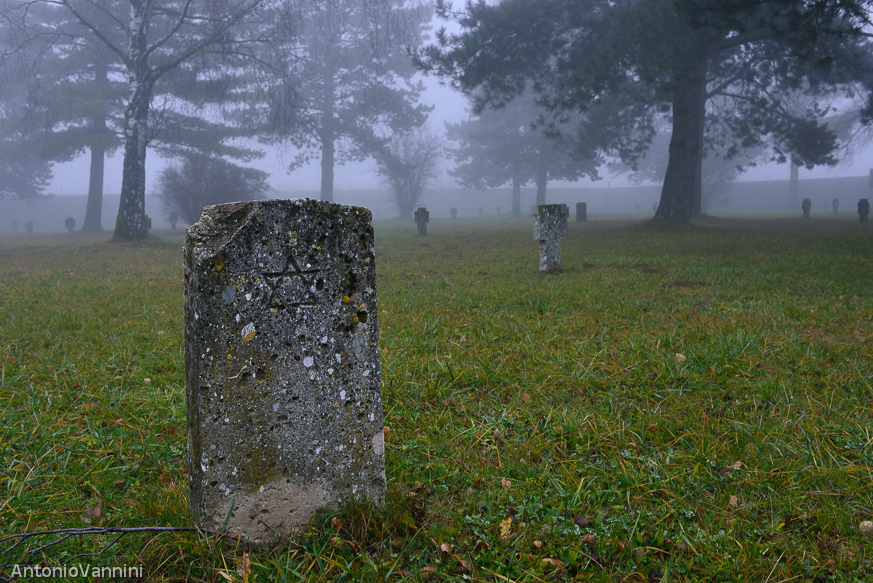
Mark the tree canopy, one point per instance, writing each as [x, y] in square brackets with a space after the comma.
[722, 70]
[505, 146]
[345, 78]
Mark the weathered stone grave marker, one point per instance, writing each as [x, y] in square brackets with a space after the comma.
[836, 205]
[863, 209]
[806, 205]
[70, 224]
[422, 218]
[581, 212]
[282, 373]
[550, 226]
[454, 212]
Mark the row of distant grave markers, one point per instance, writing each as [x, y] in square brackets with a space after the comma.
[863, 208]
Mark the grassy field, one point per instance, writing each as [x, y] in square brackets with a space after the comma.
[678, 404]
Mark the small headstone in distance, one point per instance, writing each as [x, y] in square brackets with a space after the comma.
[806, 205]
[70, 224]
[454, 212]
[422, 218]
[863, 209]
[283, 386]
[481, 211]
[836, 205]
[174, 218]
[28, 226]
[550, 226]
[581, 212]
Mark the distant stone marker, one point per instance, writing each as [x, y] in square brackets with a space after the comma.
[863, 209]
[550, 226]
[282, 374]
[806, 205]
[70, 225]
[454, 212]
[581, 212]
[836, 205]
[422, 218]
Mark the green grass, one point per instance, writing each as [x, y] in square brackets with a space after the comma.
[678, 404]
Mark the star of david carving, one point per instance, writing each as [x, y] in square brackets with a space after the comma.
[290, 271]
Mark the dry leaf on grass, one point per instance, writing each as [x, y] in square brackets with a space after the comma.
[505, 483]
[866, 526]
[679, 357]
[734, 503]
[244, 567]
[506, 528]
[556, 563]
[446, 548]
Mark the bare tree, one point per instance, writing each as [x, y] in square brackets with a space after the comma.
[408, 164]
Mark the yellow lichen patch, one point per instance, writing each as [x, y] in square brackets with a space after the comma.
[248, 337]
[346, 299]
[219, 267]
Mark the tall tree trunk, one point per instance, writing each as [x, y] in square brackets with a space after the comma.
[793, 186]
[542, 176]
[681, 193]
[327, 137]
[131, 220]
[94, 207]
[131, 223]
[516, 194]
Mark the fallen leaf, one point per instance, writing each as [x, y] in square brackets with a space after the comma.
[505, 483]
[538, 544]
[481, 545]
[244, 567]
[506, 528]
[587, 539]
[386, 431]
[866, 526]
[337, 522]
[446, 548]
[737, 465]
[734, 503]
[95, 513]
[466, 565]
[525, 398]
[582, 521]
[556, 563]
[679, 357]
[226, 576]
[429, 569]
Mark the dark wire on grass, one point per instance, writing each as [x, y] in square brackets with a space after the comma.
[67, 533]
